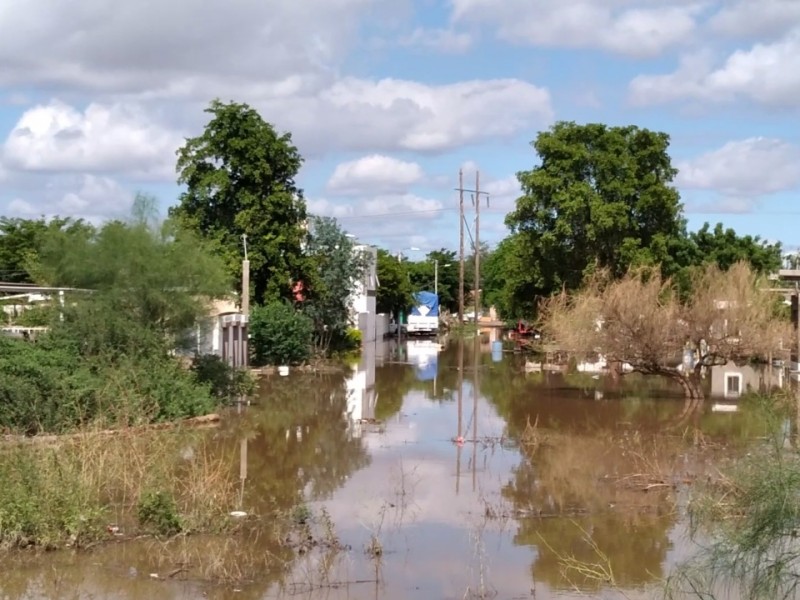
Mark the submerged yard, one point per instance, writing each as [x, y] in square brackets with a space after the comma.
[412, 477]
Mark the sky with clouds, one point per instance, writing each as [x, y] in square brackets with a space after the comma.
[387, 99]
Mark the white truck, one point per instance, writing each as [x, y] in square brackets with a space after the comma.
[424, 316]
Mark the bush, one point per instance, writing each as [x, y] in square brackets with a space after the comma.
[158, 512]
[225, 381]
[280, 335]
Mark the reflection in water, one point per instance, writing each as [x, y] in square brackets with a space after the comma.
[476, 477]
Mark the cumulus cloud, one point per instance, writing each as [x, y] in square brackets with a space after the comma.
[374, 174]
[751, 18]
[620, 26]
[766, 73]
[743, 171]
[391, 220]
[56, 137]
[175, 46]
[90, 197]
[390, 114]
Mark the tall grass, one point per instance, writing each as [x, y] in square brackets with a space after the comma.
[74, 491]
[750, 517]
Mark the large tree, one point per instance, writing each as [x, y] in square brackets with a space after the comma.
[240, 180]
[600, 199]
[338, 268]
[21, 241]
[394, 286]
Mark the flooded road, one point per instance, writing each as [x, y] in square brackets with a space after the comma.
[432, 474]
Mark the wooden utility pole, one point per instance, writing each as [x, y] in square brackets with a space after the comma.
[477, 245]
[461, 246]
[476, 199]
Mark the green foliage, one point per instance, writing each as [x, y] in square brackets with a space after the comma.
[509, 283]
[752, 516]
[280, 334]
[108, 359]
[338, 268]
[158, 512]
[21, 240]
[423, 278]
[40, 503]
[159, 275]
[394, 287]
[225, 381]
[240, 178]
[601, 198]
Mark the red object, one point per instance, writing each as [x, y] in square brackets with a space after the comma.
[298, 290]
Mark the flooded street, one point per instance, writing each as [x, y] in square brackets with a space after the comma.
[433, 474]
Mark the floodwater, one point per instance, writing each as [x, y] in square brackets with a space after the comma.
[435, 474]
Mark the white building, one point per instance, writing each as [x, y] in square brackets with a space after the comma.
[364, 300]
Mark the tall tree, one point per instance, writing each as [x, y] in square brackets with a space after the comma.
[240, 179]
[394, 287]
[601, 198]
[22, 239]
[338, 268]
[423, 276]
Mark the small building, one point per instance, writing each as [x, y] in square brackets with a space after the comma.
[731, 380]
[364, 313]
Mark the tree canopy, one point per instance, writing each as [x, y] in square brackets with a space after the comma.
[240, 180]
[601, 198]
[394, 286]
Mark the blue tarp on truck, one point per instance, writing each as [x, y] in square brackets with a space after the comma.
[426, 304]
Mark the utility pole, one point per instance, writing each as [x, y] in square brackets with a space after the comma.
[436, 277]
[245, 280]
[461, 246]
[477, 245]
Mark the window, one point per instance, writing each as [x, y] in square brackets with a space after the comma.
[733, 385]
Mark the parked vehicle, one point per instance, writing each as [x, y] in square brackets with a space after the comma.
[424, 316]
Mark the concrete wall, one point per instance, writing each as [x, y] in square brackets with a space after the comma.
[731, 381]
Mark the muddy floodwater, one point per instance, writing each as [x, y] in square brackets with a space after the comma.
[433, 473]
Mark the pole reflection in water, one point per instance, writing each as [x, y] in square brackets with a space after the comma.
[459, 433]
[476, 352]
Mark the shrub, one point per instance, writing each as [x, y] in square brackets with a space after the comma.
[225, 381]
[158, 512]
[280, 335]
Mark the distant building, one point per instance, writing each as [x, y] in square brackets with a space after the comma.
[731, 381]
[363, 305]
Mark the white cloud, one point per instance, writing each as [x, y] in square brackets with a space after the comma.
[391, 114]
[756, 18]
[112, 139]
[442, 40]
[618, 26]
[374, 174]
[766, 73]
[744, 170]
[84, 196]
[177, 46]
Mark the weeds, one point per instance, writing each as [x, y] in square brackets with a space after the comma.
[76, 491]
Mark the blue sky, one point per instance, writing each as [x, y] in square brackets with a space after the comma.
[388, 99]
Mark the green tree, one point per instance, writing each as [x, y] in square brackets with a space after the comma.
[21, 241]
[240, 179]
[338, 269]
[158, 274]
[509, 280]
[423, 276]
[601, 198]
[725, 248]
[280, 334]
[394, 287]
